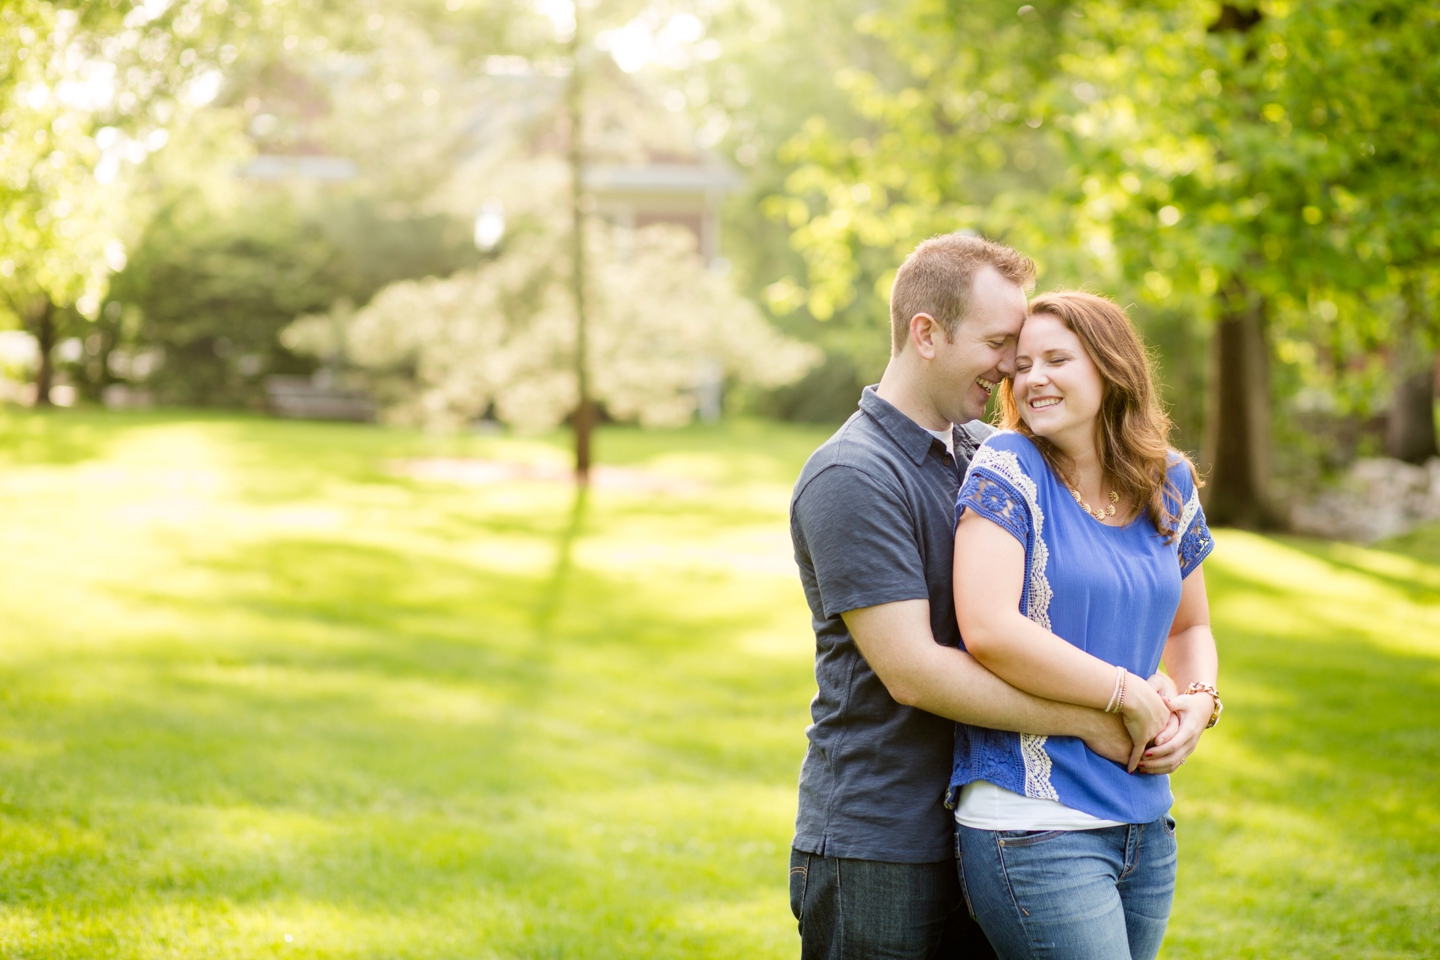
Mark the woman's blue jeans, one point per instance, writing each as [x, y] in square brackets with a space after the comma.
[1071, 894]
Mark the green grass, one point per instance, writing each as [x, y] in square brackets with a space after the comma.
[255, 686]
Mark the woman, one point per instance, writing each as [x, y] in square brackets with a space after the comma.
[1077, 564]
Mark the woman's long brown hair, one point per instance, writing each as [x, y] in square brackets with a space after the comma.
[1132, 430]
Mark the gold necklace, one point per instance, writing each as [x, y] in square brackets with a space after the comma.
[1097, 514]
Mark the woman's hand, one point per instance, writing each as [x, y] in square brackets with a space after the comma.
[1145, 714]
[1164, 686]
[1175, 743]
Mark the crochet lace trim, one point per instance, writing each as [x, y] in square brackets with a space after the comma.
[1187, 515]
[1006, 465]
[1037, 767]
[1195, 541]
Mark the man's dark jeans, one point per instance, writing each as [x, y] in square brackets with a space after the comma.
[866, 909]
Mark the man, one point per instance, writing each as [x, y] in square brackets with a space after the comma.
[872, 518]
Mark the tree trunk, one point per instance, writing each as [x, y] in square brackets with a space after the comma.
[1236, 453]
[96, 370]
[1410, 427]
[584, 417]
[1237, 424]
[43, 323]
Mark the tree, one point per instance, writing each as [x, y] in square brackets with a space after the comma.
[1246, 177]
[222, 265]
[59, 218]
[584, 413]
[217, 265]
[936, 133]
[502, 337]
[84, 88]
[730, 83]
[1276, 152]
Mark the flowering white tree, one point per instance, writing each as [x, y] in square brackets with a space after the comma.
[444, 351]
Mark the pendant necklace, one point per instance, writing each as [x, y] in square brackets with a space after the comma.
[1109, 511]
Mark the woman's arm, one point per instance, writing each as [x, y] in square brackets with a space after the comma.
[1190, 657]
[989, 578]
[896, 641]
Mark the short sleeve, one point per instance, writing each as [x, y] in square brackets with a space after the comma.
[860, 538]
[1193, 534]
[993, 494]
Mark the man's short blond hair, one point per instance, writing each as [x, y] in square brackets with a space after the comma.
[939, 276]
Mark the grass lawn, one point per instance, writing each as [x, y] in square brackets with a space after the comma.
[260, 696]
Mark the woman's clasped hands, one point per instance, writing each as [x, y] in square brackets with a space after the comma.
[1170, 733]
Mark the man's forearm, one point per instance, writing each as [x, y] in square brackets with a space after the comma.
[957, 687]
[895, 640]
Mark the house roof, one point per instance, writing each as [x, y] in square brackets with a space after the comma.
[660, 178]
[270, 166]
[633, 144]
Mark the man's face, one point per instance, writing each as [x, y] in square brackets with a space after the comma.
[967, 368]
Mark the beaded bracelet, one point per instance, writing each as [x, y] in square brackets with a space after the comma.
[1117, 696]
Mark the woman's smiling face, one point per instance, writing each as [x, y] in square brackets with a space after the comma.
[1057, 386]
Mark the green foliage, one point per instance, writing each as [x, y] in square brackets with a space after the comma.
[213, 288]
[284, 690]
[82, 87]
[89, 91]
[796, 48]
[1279, 154]
[57, 216]
[923, 145]
[1186, 158]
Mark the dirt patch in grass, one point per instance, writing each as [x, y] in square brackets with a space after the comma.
[476, 473]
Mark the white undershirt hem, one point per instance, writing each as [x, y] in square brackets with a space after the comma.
[985, 806]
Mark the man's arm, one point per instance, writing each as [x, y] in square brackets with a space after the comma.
[896, 641]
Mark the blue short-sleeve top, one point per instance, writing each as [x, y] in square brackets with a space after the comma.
[1112, 591]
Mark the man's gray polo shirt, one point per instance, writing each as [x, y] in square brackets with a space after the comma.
[873, 521]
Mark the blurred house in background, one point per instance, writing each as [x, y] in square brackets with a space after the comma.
[641, 166]
[275, 166]
[287, 111]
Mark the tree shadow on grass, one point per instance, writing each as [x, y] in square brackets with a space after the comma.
[51, 437]
[354, 704]
[552, 597]
[1347, 557]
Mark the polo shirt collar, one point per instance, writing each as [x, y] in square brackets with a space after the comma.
[908, 435]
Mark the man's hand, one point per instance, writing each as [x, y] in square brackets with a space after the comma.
[1106, 736]
[1176, 742]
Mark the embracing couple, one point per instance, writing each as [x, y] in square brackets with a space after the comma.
[987, 767]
